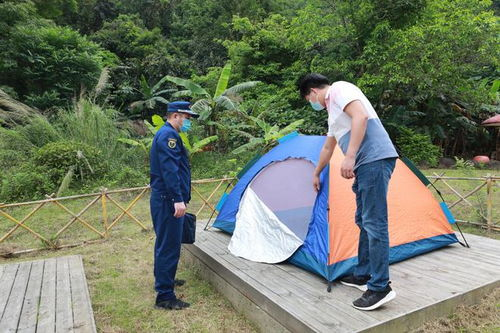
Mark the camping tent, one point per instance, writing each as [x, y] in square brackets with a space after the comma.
[275, 215]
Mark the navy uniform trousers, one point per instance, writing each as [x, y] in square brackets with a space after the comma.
[167, 250]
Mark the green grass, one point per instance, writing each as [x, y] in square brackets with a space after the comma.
[120, 270]
[120, 276]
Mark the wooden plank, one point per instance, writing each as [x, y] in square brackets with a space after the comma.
[242, 303]
[274, 310]
[293, 286]
[2, 268]
[64, 311]
[428, 286]
[417, 317]
[29, 314]
[47, 308]
[285, 287]
[455, 265]
[83, 317]
[341, 297]
[6, 283]
[12, 312]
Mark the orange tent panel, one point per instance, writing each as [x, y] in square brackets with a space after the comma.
[414, 213]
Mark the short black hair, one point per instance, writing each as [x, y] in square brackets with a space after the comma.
[312, 80]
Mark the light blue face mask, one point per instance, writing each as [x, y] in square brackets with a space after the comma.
[186, 125]
[316, 105]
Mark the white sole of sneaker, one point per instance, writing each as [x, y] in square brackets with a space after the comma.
[389, 297]
[362, 288]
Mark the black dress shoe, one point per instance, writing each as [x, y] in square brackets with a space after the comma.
[173, 304]
[179, 282]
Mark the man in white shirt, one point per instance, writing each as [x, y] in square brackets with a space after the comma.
[370, 158]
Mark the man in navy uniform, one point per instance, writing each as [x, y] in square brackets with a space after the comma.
[170, 192]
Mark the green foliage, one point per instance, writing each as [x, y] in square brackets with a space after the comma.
[13, 12]
[59, 157]
[418, 147]
[48, 64]
[212, 164]
[13, 140]
[55, 8]
[463, 164]
[269, 134]
[26, 183]
[151, 96]
[126, 177]
[93, 125]
[39, 131]
[15, 149]
[426, 65]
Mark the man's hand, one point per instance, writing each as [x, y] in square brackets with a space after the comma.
[180, 209]
[347, 168]
[316, 181]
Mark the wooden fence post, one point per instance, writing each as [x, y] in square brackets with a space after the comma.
[104, 212]
[489, 198]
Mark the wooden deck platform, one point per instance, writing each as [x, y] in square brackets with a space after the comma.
[45, 296]
[281, 298]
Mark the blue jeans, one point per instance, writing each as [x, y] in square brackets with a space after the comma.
[370, 187]
[167, 250]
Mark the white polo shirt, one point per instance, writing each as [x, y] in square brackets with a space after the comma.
[376, 144]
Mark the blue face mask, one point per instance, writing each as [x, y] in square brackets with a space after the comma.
[186, 125]
[316, 105]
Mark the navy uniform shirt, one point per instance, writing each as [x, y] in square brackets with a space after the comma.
[169, 167]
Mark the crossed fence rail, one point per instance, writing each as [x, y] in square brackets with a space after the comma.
[10, 225]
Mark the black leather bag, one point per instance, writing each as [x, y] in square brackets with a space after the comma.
[189, 229]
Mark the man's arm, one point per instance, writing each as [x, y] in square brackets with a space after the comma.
[169, 156]
[324, 159]
[359, 117]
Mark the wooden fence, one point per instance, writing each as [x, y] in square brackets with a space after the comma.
[106, 199]
[458, 199]
[205, 199]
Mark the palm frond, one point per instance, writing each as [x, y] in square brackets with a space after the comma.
[198, 145]
[159, 84]
[290, 128]
[183, 93]
[157, 121]
[241, 87]
[223, 80]
[188, 84]
[145, 88]
[226, 103]
[255, 142]
[160, 99]
[203, 108]
[133, 143]
[164, 91]
[185, 140]
[150, 127]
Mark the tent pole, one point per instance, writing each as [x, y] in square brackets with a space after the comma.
[213, 212]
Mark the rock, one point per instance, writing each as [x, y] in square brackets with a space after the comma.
[446, 162]
[481, 159]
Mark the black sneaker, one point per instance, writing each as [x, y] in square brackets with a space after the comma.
[355, 281]
[370, 300]
[173, 304]
[179, 282]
